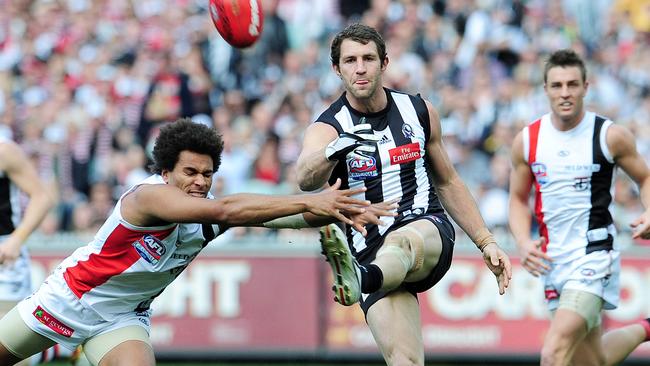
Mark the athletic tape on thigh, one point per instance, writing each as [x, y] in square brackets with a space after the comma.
[585, 304]
[416, 261]
[417, 247]
[397, 252]
[97, 347]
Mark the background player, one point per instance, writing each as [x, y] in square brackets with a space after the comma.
[569, 155]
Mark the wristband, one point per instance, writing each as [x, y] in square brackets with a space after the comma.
[296, 221]
[484, 238]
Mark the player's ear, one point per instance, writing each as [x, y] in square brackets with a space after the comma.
[384, 63]
[336, 69]
[165, 175]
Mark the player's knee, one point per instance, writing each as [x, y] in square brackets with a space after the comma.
[398, 252]
[550, 354]
[399, 240]
[405, 244]
[556, 348]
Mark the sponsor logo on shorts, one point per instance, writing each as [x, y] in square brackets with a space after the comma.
[150, 248]
[551, 293]
[588, 272]
[405, 153]
[144, 321]
[361, 168]
[51, 322]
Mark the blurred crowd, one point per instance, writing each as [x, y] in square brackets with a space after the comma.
[86, 84]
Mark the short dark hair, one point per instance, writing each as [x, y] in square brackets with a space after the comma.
[359, 33]
[564, 58]
[181, 135]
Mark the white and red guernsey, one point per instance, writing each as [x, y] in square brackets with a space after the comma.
[125, 266]
[573, 173]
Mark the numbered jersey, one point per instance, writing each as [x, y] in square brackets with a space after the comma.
[398, 170]
[125, 267]
[573, 172]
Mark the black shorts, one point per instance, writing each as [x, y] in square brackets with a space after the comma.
[447, 235]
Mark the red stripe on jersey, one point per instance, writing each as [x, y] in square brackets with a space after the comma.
[533, 135]
[117, 255]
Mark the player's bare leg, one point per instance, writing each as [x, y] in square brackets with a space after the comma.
[618, 343]
[395, 324]
[589, 350]
[567, 329]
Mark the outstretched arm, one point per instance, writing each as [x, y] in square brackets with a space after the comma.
[461, 206]
[371, 215]
[622, 145]
[22, 173]
[533, 259]
[143, 206]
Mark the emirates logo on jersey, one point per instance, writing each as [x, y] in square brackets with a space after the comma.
[405, 153]
[150, 248]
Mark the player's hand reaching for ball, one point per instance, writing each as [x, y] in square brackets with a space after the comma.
[333, 202]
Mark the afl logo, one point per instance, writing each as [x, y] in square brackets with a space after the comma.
[362, 165]
[539, 171]
[362, 168]
[150, 248]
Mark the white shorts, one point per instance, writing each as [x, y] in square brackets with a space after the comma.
[16, 280]
[597, 273]
[56, 313]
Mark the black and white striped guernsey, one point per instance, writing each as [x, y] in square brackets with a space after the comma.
[400, 169]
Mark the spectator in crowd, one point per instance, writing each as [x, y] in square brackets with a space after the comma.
[73, 74]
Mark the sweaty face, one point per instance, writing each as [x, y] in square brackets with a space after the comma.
[566, 91]
[192, 173]
[360, 68]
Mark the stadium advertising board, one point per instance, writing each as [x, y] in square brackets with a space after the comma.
[283, 303]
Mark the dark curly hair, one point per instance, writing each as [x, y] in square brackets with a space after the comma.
[183, 134]
[359, 33]
[565, 58]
